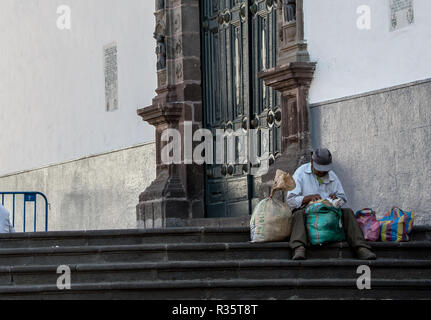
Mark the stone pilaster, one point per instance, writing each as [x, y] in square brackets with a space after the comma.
[292, 78]
[291, 42]
[178, 190]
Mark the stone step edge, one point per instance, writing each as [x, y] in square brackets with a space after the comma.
[142, 232]
[216, 284]
[124, 233]
[196, 247]
[237, 264]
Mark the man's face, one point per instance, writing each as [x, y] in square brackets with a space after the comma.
[320, 174]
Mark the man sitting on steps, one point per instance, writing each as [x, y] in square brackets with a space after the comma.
[315, 181]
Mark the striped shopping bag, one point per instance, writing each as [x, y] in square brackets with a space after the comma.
[396, 225]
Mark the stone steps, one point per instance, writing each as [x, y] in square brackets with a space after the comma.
[279, 289]
[154, 236]
[384, 269]
[200, 252]
[204, 263]
[124, 237]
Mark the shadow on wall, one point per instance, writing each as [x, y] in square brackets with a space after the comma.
[74, 211]
[97, 209]
[342, 169]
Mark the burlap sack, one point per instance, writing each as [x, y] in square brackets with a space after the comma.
[272, 219]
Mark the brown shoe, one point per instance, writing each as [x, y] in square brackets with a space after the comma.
[299, 254]
[365, 254]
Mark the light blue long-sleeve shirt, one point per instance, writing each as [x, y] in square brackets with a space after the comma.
[307, 184]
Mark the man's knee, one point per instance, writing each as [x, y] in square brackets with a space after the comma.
[348, 213]
[298, 215]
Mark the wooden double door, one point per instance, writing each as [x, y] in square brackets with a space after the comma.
[239, 39]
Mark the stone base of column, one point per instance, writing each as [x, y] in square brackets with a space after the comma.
[163, 204]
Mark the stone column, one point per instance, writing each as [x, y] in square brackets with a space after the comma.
[292, 77]
[177, 193]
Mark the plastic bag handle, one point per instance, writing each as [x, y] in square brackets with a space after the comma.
[365, 209]
[400, 210]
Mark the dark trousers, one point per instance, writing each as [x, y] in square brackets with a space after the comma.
[354, 235]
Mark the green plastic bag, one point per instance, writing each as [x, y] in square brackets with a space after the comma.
[324, 224]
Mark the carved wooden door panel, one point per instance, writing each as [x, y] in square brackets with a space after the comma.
[265, 103]
[238, 41]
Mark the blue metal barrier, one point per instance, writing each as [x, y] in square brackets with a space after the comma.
[28, 197]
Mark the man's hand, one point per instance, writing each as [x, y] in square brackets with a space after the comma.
[308, 199]
[333, 196]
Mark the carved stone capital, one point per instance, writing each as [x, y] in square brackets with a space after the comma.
[158, 114]
[290, 76]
